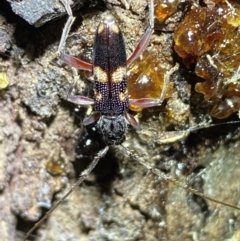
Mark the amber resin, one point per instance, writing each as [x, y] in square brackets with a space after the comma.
[210, 39]
[146, 79]
[197, 34]
[55, 168]
[56, 164]
[164, 9]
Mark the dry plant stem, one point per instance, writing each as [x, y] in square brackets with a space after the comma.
[167, 81]
[174, 136]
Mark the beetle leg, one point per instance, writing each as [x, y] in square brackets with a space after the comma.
[67, 26]
[132, 121]
[142, 44]
[75, 62]
[68, 59]
[91, 119]
[80, 100]
[150, 102]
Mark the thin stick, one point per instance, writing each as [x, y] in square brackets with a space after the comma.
[81, 178]
[166, 82]
[174, 136]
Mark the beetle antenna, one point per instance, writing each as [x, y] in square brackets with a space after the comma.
[81, 178]
[151, 14]
[173, 180]
[67, 26]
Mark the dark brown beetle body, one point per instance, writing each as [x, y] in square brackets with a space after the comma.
[110, 81]
[109, 69]
[111, 100]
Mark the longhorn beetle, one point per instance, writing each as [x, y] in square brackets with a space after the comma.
[111, 100]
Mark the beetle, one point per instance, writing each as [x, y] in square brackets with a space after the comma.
[109, 68]
[111, 100]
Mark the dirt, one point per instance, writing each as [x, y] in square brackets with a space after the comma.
[43, 148]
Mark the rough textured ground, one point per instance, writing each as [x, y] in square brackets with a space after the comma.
[41, 135]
